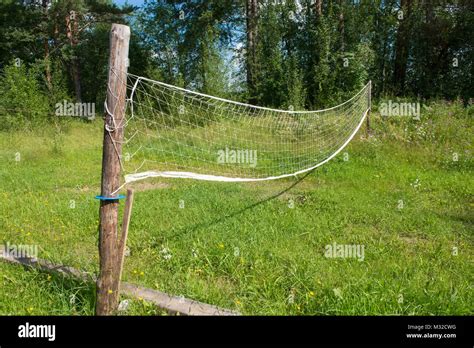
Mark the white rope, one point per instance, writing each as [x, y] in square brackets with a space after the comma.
[239, 103]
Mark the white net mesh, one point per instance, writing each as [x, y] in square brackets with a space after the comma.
[174, 132]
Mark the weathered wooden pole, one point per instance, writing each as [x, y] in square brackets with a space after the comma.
[127, 214]
[108, 281]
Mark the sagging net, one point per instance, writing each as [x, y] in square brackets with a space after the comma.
[174, 132]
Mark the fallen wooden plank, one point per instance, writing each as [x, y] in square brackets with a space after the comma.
[46, 266]
[172, 304]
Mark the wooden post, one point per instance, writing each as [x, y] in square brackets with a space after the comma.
[127, 214]
[370, 108]
[108, 281]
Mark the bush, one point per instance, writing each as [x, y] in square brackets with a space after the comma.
[22, 101]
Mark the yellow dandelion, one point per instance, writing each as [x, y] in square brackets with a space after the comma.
[49, 277]
[110, 291]
[311, 294]
[142, 273]
[221, 245]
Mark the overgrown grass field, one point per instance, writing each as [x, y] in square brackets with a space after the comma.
[406, 194]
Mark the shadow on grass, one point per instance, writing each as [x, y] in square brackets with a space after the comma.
[466, 219]
[231, 215]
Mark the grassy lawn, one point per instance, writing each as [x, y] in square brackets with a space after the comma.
[401, 194]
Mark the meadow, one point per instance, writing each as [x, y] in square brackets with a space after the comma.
[405, 193]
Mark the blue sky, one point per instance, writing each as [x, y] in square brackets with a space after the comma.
[130, 2]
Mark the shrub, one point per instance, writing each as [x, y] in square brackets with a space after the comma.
[22, 101]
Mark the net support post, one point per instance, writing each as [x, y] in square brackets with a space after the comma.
[127, 214]
[109, 243]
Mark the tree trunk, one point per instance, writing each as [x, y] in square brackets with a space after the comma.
[71, 32]
[46, 48]
[402, 46]
[48, 65]
[318, 8]
[251, 10]
[341, 25]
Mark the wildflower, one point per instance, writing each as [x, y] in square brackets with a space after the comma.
[416, 183]
[110, 291]
[311, 294]
[220, 245]
[166, 253]
[142, 273]
[291, 296]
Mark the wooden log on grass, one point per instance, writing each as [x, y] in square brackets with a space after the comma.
[45, 266]
[171, 304]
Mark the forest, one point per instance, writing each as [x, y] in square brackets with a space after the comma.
[306, 54]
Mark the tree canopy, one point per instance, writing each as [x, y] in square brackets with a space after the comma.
[280, 53]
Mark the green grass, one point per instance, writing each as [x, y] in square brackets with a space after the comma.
[266, 258]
